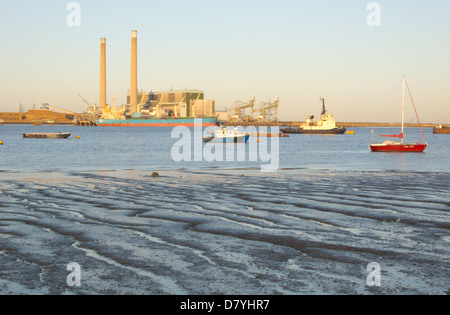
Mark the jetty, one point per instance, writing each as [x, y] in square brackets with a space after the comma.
[84, 120]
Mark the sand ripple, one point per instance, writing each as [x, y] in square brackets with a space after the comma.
[225, 232]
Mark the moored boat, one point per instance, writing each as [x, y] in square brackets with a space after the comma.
[400, 146]
[302, 130]
[326, 125]
[393, 146]
[226, 135]
[56, 135]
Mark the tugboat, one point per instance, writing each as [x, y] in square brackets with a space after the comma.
[326, 125]
[224, 135]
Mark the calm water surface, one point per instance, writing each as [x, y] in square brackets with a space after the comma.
[109, 148]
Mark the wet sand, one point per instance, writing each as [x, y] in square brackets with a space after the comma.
[239, 231]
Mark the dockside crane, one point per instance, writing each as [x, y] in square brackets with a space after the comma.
[268, 111]
[47, 106]
[238, 110]
[84, 101]
[93, 110]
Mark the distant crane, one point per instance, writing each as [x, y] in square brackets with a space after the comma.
[84, 101]
[93, 111]
[268, 111]
[238, 111]
[47, 106]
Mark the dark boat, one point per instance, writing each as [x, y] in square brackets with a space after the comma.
[300, 130]
[58, 135]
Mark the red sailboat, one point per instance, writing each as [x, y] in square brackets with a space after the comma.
[401, 146]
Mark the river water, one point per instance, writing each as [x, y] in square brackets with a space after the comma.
[106, 148]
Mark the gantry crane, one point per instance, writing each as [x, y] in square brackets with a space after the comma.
[238, 110]
[268, 111]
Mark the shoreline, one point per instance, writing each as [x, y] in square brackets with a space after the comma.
[213, 171]
[282, 123]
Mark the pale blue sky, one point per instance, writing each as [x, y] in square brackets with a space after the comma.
[297, 50]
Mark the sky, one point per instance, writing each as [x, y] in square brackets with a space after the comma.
[349, 52]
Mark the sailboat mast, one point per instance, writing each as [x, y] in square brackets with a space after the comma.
[403, 107]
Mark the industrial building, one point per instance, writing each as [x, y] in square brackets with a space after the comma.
[161, 104]
[37, 116]
[184, 103]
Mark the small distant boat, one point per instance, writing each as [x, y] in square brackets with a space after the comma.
[225, 135]
[400, 146]
[58, 135]
[326, 125]
[441, 130]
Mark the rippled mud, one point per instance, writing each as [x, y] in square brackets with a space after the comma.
[225, 232]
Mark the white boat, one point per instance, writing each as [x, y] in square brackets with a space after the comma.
[227, 135]
[325, 125]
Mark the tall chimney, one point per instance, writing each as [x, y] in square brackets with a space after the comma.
[133, 88]
[103, 74]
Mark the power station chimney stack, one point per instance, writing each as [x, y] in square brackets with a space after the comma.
[103, 74]
[133, 88]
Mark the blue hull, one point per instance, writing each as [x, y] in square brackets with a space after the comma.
[153, 122]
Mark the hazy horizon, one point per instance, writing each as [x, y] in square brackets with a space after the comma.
[298, 51]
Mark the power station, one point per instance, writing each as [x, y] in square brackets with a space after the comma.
[153, 109]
